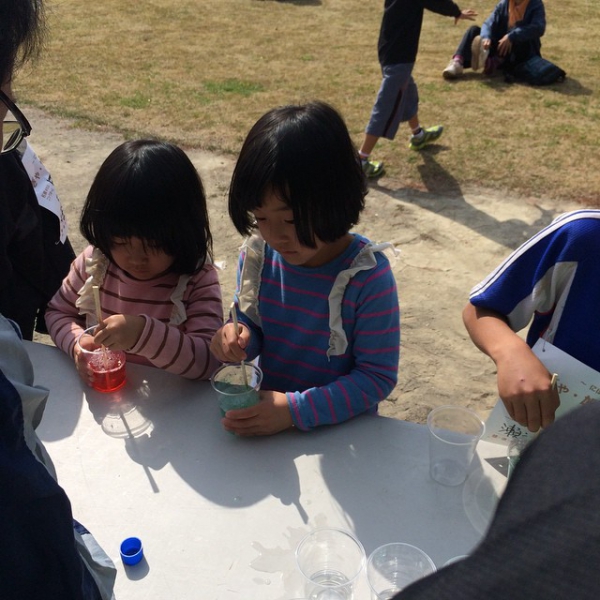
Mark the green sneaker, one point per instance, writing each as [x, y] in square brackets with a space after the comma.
[372, 168]
[429, 135]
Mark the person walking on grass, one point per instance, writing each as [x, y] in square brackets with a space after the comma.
[398, 99]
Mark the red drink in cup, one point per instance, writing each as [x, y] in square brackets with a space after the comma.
[107, 366]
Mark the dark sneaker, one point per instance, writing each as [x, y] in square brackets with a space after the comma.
[431, 134]
[372, 168]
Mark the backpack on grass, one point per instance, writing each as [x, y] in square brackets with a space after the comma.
[538, 71]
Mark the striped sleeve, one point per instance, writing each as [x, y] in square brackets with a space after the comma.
[185, 349]
[63, 320]
[375, 347]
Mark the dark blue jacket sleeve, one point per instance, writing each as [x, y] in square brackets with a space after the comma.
[532, 27]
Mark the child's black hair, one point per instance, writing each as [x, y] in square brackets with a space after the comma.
[150, 190]
[305, 155]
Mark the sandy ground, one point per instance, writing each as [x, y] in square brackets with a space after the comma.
[448, 242]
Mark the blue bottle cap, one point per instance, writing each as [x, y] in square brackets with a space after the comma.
[131, 551]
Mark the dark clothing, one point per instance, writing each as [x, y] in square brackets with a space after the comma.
[464, 48]
[401, 27]
[524, 36]
[531, 28]
[38, 554]
[544, 540]
[33, 261]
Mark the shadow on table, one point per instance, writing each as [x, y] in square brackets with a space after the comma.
[373, 467]
[369, 465]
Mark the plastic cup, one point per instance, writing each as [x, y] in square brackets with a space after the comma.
[454, 433]
[107, 366]
[132, 551]
[330, 561]
[237, 385]
[455, 559]
[392, 567]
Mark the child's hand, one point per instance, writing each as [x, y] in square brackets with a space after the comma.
[120, 332]
[81, 364]
[271, 415]
[524, 385]
[228, 345]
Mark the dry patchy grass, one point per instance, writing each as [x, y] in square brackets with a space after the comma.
[200, 72]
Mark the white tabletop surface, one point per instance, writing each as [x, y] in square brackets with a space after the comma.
[220, 516]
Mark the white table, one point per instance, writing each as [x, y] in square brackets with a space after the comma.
[220, 516]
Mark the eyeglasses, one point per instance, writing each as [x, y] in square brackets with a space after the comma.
[15, 127]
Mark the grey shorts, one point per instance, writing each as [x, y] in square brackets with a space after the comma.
[397, 101]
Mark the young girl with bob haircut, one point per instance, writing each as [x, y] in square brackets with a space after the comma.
[317, 304]
[150, 253]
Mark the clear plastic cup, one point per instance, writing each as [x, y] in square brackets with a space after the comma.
[107, 366]
[330, 561]
[237, 385]
[392, 567]
[454, 433]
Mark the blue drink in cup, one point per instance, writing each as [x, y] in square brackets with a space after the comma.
[237, 385]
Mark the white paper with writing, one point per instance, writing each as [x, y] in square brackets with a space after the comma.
[43, 187]
[577, 385]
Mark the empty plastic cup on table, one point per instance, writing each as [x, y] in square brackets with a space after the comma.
[453, 435]
[107, 366]
[330, 561]
[392, 567]
[237, 385]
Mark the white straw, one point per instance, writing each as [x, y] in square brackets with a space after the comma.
[237, 330]
[96, 291]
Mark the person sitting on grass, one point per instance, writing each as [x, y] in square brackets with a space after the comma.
[508, 37]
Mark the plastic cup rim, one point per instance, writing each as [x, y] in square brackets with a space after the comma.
[248, 365]
[471, 413]
[120, 353]
[404, 545]
[345, 532]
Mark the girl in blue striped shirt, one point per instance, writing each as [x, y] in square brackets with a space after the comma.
[315, 303]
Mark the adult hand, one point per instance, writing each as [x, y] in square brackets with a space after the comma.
[504, 46]
[120, 332]
[271, 415]
[466, 15]
[228, 345]
[486, 43]
[524, 385]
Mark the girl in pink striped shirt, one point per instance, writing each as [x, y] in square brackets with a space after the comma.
[150, 254]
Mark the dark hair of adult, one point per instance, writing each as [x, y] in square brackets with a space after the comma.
[150, 190]
[305, 155]
[22, 33]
